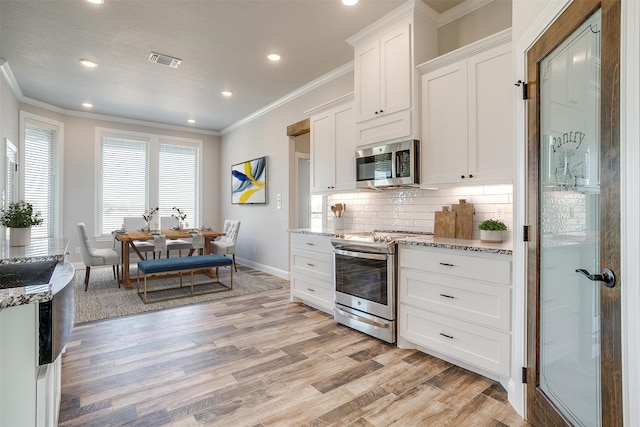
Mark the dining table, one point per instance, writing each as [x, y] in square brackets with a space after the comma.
[128, 238]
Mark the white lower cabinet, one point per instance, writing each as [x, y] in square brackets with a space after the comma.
[312, 270]
[458, 305]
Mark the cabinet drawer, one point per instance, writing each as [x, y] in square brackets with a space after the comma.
[316, 293]
[383, 128]
[319, 265]
[484, 304]
[311, 242]
[452, 263]
[482, 347]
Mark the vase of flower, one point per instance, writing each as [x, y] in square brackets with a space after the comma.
[148, 216]
[19, 217]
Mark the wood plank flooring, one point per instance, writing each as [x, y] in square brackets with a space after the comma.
[259, 360]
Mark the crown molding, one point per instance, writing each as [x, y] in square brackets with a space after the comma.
[335, 102]
[11, 79]
[340, 71]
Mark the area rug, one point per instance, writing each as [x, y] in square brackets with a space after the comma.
[105, 300]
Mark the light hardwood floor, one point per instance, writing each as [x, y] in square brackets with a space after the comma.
[259, 360]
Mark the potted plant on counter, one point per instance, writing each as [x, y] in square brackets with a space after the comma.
[19, 217]
[492, 231]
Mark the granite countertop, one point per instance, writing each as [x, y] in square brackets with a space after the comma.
[505, 248]
[39, 250]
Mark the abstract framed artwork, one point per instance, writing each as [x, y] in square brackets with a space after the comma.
[249, 182]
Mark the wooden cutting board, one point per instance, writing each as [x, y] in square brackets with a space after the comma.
[464, 219]
[445, 223]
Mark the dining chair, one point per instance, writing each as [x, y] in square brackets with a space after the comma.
[170, 222]
[227, 243]
[138, 223]
[97, 257]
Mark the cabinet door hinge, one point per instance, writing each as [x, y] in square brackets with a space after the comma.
[524, 375]
[525, 233]
[525, 88]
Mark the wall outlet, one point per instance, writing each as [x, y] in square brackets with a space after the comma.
[500, 212]
[77, 250]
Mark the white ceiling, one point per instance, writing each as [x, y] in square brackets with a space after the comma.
[222, 43]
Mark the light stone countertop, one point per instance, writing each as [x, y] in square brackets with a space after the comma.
[505, 248]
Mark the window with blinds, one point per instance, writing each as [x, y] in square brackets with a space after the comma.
[138, 172]
[41, 186]
[178, 184]
[123, 180]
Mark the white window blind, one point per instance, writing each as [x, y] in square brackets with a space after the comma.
[178, 183]
[123, 187]
[41, 175]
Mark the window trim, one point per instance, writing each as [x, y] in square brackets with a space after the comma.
[59, 126]
[154, 141]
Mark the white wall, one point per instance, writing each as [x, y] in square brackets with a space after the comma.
[263, 241]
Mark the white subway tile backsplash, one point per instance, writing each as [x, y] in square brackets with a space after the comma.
[414, 209]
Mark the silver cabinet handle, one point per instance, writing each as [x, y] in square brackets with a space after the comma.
[446, 264]
[311, 290]
[311, 265]
[446, 336]
[446, 296]
[607, 277]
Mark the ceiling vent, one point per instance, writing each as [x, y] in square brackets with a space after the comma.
[161, 59]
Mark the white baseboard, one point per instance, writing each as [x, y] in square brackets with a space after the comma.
[265, 268]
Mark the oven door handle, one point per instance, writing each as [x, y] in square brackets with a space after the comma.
[362, 319]
[365, 255]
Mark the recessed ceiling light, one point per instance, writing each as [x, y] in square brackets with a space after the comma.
[191, 121]
[273, 57]
[96, 1]
[88, 63]
[87, 105]
[226, 93]
[349, 2]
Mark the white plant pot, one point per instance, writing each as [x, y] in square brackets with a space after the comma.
[20, 236]
[491, 236]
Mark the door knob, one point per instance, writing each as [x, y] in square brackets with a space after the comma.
[607, 277]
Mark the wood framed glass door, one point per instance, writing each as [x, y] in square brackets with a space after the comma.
[573, 296]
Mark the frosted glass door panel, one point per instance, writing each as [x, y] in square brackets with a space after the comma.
[569, 225]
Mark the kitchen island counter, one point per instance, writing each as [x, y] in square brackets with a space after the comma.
[40, 250]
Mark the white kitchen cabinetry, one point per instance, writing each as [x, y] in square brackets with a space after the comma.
[467, 115]
[312, 270]
[457, 305]
[333, 146]
[29, 394]
[386, 98]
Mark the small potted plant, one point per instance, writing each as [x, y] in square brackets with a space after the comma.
[19, 217]
[492, 231]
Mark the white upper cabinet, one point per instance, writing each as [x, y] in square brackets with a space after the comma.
[386, 98]
[333, 146]
[467, 115]
[383, 81]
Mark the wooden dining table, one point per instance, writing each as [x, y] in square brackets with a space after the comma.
[128, 238]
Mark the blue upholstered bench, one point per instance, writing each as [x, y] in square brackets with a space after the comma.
[180, 265]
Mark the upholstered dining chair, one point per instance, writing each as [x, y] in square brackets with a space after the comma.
[227, 243]
[137, 223]
[97, 257]
[170, 222]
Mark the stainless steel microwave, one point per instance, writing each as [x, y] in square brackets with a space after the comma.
[392, 164]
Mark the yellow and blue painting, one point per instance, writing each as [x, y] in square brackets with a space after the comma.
[249, 182]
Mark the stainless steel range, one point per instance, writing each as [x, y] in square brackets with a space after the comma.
[365, 278]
